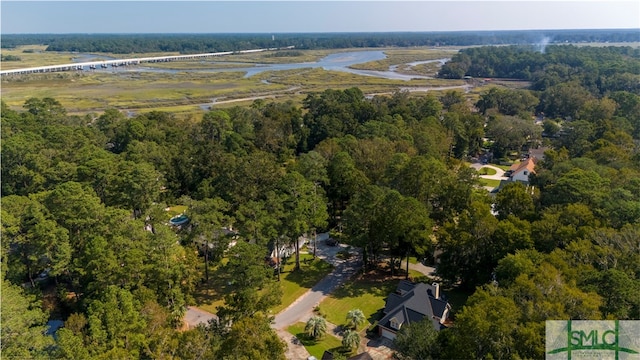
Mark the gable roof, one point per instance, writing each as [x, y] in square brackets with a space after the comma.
[412, 303]
[528, 165]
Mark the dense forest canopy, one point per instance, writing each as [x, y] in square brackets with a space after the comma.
[201, 43]
[84, 198]
[598, 69]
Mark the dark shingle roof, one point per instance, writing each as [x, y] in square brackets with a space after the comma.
[417, 302]
[363, 356]
[327, 355]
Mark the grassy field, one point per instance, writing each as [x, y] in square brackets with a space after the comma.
[315, 347]
[88, 92]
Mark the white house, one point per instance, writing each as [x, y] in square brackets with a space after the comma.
[522, 170]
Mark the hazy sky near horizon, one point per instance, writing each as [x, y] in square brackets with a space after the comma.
[311, 16]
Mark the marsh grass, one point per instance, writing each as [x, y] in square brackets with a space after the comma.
[188, 94]
[196, 64]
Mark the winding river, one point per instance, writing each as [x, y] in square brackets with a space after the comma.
[336, 62]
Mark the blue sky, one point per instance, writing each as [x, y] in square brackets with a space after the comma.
[311, 16]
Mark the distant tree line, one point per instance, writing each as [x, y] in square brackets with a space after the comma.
[598, 69]
[199, 43]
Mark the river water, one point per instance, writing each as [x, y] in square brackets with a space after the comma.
[336, 62]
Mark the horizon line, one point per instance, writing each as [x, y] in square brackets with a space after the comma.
[324, 32]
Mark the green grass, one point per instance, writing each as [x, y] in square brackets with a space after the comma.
[489, 182]
[176, 210]
[417, 276]
[315, 347]
[296, 283]
[209, 296]
[503, 167]
[364, 294]
[487, 171]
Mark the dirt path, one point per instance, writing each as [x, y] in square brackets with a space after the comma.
[465, 87]
[267, 95]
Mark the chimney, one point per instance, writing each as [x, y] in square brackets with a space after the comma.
[436, 288]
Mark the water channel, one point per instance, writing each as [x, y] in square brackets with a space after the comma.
[335, 62]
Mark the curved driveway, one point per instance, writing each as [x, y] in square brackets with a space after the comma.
[302, 308]
[499, 175]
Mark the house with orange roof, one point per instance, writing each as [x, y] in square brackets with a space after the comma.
[522, 170]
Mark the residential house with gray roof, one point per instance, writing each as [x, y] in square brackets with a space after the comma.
[412, 303]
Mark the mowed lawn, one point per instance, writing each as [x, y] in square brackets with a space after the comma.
[315, 347]
[368, 295]
[489, 182]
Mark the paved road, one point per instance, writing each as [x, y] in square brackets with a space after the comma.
[195, 316]
[303, 307]
[426, 270]
[499, 175]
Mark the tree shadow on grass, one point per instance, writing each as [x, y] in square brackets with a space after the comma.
[376, 316]
[309, 273]
[366, 285]
[213, 291]
[306, 340]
